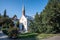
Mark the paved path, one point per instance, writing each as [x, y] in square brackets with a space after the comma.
[53, 38]
[2, 35]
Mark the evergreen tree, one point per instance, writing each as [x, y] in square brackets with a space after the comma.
[5, 13]
[49, 20]
[36, 25]
[51, 16]
[0, 15]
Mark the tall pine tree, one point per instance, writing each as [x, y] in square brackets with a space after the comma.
[5, 13]
[49, 20]
[51, 16]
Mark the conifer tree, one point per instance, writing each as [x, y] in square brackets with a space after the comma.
[5, 13]
[0, 15]
[49, 20]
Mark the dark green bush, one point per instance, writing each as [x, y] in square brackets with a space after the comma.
[5, 32]
[5, 29]
[13, 32]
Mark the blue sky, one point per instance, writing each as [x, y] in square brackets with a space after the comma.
[15, 7]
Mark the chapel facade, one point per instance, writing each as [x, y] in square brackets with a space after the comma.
[23, 21]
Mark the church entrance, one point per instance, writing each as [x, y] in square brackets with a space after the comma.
[22, 27]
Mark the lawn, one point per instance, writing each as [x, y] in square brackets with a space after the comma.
[24, 35]
[35, 36]
[42, 36]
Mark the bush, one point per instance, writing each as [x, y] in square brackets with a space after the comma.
[13, 32]
[5, 29]
[10, 30]
[5, 32]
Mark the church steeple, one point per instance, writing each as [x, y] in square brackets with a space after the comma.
[23, 10]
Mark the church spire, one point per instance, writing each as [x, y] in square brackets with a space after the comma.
[23, 8]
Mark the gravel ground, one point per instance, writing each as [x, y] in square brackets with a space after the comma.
[53, 38]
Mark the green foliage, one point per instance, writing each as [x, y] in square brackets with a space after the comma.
[5, 29]
[8, 26]
[0, 15]
[51, 16]
[4, 19]
[36, 24]
[5, 13]
[13, 32]
[17, 23]
[49, 20]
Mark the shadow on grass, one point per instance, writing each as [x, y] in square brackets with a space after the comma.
[27, 38]
[30, 38]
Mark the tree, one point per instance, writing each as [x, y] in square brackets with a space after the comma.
[17, 23]
[51, 16]
[0, 15]
[36, 25]
[4, 13]
[49, 20]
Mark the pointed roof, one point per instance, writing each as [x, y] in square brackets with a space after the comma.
[23, 9]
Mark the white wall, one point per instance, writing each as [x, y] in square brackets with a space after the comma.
[23, 20]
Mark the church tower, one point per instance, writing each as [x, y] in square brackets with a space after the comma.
[23, 21]
[23, 10]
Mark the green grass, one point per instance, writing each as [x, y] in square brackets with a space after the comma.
[35, 36]
[25, 35]
[42, 36]
[28, 36]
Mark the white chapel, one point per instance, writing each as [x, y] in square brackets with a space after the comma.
[24, 21]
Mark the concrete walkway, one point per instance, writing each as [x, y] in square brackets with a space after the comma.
[53, 38]
[2, 35]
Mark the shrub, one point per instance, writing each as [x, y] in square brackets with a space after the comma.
[13, 32]
[5, 29]
[5, 32]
